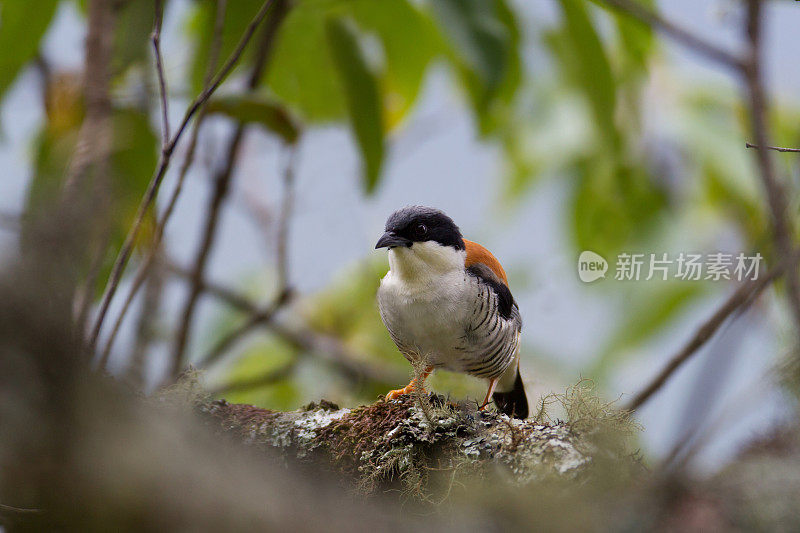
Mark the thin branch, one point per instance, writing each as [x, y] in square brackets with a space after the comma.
[267, 378]
[222, 186]
[679, 34]
[258, 318]
[17, 510]
[155, 37]
[284, 292]
[776, 148]
[353, 365]
[147, 324]
[739, 300]
[158, 234]
[152, 189]
[776, 192]
[287, 205]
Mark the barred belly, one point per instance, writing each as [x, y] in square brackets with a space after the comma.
[457, 327]
[491, 340]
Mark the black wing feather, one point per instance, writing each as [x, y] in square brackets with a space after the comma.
[505, 301]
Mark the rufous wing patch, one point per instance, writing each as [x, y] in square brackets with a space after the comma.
[478, 254]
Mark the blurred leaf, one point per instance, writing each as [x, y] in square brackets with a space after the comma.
[478, 36]
[22, 27]
[582, 54]
[409, 40]
[484, 41]
[238, 14]
[613, 206]
[134, 24]
[248, 108]
[363, 98]
[347, 309]
[636, 41]
[133, 159]
[303, 73]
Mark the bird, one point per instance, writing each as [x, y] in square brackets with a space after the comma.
[446, 304]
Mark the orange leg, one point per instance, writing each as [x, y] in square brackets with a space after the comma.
[492, 385]
[416, 384]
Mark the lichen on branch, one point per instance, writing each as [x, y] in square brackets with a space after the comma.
[393, 443]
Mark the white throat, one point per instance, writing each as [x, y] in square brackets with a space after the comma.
[425, 261]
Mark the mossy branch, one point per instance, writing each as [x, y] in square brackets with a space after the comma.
[396, 444]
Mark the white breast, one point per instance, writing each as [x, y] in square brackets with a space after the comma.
[426, 301]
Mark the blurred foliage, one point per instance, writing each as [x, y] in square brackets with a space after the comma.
[587, 100]
[132, 160]
[21, 29]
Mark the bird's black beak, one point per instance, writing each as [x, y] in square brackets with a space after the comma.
[391, 239]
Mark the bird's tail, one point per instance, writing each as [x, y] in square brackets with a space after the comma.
[513, 403]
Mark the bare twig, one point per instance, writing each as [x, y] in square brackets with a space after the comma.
[739, 300]
[17, 510]
[221, 188]
[152, 189]
[267, 378]
[776, 193]
[284, 292]
[287, 204]
[257, 318]
[147, 325]
[776, 148]
[679, 34]
[155, 37]
[353, 365]
[222, 185]
[158, 233]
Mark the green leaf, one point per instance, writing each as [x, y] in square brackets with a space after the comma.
[255, 109]
[583, 55]
[134, 24]
[133, 157]
[409, 42]
[484, 41]
[303, 74]
[479, 37]
[261, 357]
[363, 98]
[21, 29]
[614, 205]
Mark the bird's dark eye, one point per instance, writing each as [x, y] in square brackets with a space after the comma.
[420, 230]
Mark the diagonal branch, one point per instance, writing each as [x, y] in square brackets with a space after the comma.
[267, 378]
[739, 300]
[158, 233]
[355, 366]
[152, 189]
[679, 34]
[221, 188]
[284, 292]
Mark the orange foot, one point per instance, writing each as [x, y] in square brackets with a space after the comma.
[396, 393]
[416, 384]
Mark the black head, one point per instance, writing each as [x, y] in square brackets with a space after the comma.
[419, 224]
